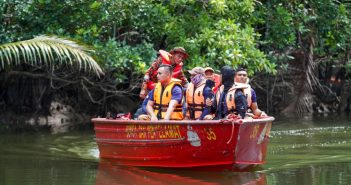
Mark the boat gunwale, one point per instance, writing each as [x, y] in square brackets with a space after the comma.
[183, 122]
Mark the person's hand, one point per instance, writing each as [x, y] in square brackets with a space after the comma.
[146, 78]
[263, 114]
[208, 117]
[209, 102]
[154, 118]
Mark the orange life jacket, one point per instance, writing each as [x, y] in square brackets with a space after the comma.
[247, 93]
[230, 97]
[162, 99]
[195, 100]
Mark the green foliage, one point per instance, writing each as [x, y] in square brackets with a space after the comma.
[122, 57]
[217, 33]
[126, 34]
[289, 24]
[47, 51]
[229, 44]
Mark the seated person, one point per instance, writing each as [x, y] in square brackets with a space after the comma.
[241, 77]
[142, 110]
[230, 98]
[197, 92]
[211, 75]
[165, 100]
[175, 58]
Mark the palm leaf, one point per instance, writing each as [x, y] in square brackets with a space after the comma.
[49, 51]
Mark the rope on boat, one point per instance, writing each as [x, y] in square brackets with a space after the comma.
[231, 136]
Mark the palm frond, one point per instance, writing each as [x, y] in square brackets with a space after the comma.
[50, 51]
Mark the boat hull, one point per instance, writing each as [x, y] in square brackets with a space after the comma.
[217, 144]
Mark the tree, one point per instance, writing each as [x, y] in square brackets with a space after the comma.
[301, 37]
[47, 52]
[54, 62]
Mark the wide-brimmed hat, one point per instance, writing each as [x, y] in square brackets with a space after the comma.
[197, 70]
[179, 50]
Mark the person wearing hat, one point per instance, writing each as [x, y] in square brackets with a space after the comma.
[230, 99]
[175, 58]
[211, 75]
[166, 98]
[242, 78]
[196, 94]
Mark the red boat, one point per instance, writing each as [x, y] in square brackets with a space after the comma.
[237, 145]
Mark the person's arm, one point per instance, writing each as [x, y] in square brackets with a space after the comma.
[183, 79]
[143, 106]
[154, 66]
[256, 111]
[150, 110]
[150, 106]
[171, 107]
[254, 107]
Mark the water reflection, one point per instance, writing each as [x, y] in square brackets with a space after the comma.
[321, 174]
[109, 174]
[301, 151]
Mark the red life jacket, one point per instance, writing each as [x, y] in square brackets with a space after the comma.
[165, 56]
[217, 80]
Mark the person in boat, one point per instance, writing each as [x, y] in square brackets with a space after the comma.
[142, 109]
[175, 58]
[230, 99]
[199, 89]
[166, 98]
[211, 75]
[240, 78]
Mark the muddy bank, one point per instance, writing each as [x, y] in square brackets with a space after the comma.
[61, 117]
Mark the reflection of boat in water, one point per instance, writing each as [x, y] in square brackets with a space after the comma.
[216, 144]
[109, 174]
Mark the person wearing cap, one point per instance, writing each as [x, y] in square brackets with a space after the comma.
[196, 94]
[166, 98]
[175, 58]
[211, 75]
[242, 78]
[230, 99]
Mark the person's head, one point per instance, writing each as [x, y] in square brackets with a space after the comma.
[227, 76]
[164, 74]
[178, 55]
[197, 75]
[241, 75]
[195, 71]
[209, 73]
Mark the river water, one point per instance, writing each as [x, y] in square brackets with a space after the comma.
[302, 150]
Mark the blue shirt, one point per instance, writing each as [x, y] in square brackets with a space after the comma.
[253, 96]
[143, 106]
